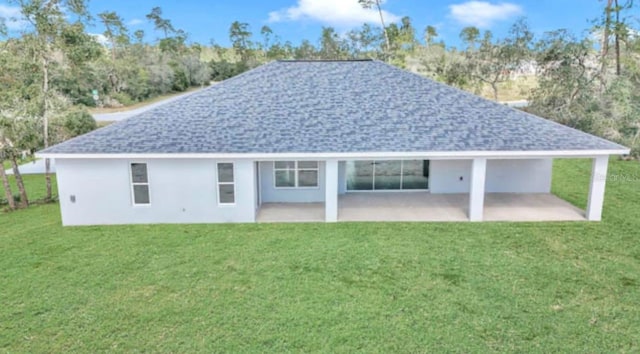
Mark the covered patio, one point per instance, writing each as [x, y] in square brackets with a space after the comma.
[424, 206]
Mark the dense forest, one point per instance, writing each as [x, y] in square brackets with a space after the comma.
[55, 70]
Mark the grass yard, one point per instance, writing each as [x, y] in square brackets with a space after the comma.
[348, 287]
[36, 191]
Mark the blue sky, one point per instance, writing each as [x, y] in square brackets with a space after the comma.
[294, 20]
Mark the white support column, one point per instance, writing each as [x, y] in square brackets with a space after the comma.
[596, 189]
[476, 190]
[331, 191]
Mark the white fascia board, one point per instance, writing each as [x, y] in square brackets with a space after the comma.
[432, 155]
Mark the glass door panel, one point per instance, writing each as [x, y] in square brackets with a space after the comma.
[415, 174]
[360, 175]
[388, 175]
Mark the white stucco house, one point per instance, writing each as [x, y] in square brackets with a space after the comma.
[324, 141]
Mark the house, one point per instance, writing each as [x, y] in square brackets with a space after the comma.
[324, 140]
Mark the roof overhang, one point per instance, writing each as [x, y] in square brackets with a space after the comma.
[433, 155]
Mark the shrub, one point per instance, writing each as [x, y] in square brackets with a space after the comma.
[122, 98]
[78, 122]
[180, 80]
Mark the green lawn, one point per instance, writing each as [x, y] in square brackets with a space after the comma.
[347, 287]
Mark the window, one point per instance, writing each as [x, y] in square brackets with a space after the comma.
[296, 174]
[226, 184]
[140, 184]
[387, 175]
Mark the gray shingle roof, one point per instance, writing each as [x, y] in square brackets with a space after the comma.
[331, 107]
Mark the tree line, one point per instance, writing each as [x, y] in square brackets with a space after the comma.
[51, 73]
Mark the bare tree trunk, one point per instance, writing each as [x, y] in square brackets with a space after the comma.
[617, 39]
[113, 49]
[384, 30]
[606, 28]
[45, 118]
[604, 51]
[494, 87]
[24, 201]
[7, 188]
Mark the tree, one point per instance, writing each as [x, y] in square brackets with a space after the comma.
[3, 27]
[430, 34]
[402, 40]
[565, 83]
[9, 88]
[266, 33]
[115, 30]
[18, 133]
[173, 40]
[78, 122]
[5, 93]
[444, 65]
[369, 4]
[470, 36]
[618, 27]
[305, 51]
[117, 34]
[570, 89]
[331, 46]
[139, 36]
[492, 62]
[606, 28]
[365, 41]
[240, 37]
[49, 23]
[160, 23]
[407, 39]
[5, 184]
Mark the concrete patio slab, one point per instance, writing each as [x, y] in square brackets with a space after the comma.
[529, 207]
[402, 206]
[426, 207]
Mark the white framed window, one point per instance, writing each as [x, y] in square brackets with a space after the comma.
[226, 184]
[296, 174]
[139, 184]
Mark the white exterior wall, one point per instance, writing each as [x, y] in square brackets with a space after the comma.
[271, 194]
[519, 176]
[444, 176]
[503, 176]
[185, 190]
[181, 191]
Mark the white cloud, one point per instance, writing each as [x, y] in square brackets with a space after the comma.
[339, 13]
[100, 38]
[14, 19]
[483, 14]
[135, 22]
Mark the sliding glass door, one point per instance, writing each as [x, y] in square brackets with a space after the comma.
[415, 174]
[388, 175]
